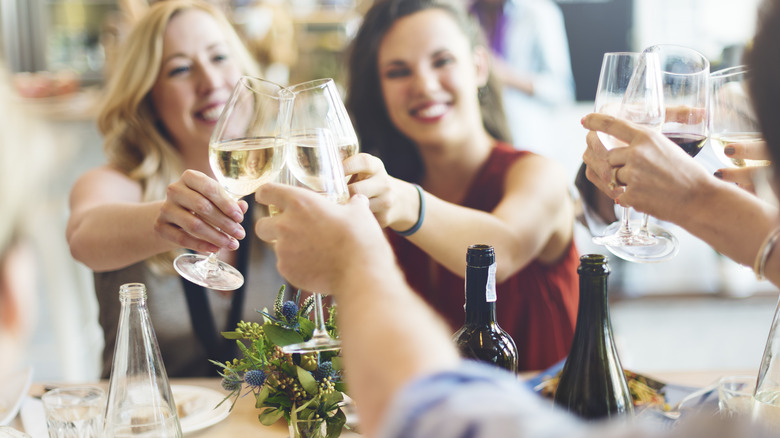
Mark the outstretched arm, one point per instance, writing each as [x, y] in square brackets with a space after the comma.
[533, 221]
[111, 227]
[340, 250]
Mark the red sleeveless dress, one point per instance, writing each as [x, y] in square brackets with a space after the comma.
[537, 306]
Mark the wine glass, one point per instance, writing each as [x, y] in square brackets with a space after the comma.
[684, 75]
[245, 151]
[732, 118]
[314, 162]
[629, 88]
[318, 104]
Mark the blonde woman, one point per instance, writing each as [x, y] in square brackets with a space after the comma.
[156, 195]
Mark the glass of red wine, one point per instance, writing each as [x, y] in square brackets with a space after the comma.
[685, 77]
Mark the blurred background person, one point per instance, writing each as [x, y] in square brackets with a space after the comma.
[530, 58]
[157, 195]
[423, 101]
[25, 160]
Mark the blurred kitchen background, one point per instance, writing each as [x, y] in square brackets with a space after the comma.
[699, 310]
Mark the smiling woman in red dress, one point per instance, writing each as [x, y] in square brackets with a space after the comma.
[442, 174]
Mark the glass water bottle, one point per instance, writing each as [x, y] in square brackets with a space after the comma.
[481, 337]
[592, 384]
[140, 402]
[766, 406]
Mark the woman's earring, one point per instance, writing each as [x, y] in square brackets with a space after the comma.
[482, 92]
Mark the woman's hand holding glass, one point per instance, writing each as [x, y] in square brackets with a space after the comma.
[184, 220]
[245, 152]
[658, 175]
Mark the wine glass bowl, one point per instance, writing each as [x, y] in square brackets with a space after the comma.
[732, 117]
[318, 104]
[245, 151]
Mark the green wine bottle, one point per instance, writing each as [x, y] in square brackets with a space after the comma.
[481, 338]
[592, 384]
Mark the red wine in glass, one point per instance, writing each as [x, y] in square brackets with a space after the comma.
[690, 143]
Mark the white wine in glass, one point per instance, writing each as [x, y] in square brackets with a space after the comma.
[318, 104]
[245, 151]
[314, 163]
[732, 118]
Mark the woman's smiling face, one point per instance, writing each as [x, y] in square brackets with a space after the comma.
[429, 76]
[196, 77]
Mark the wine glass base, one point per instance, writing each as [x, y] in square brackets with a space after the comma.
[197, 269]
[614, 237]
[313, 346]
[665, 248]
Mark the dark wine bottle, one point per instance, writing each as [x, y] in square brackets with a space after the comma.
[592, 384]
[481, 338]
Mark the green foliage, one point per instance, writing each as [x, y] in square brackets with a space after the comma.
[290, 389]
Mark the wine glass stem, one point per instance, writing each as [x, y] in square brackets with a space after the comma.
[645, 219]
[625, 226]
[319, 320]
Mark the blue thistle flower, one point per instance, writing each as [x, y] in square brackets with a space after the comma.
[290, 312]
[323, 371]
[254, 378]
[231, 383]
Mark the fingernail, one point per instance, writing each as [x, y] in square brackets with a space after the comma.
[237, 216]
[729, 150]
[718, 174]
[239, 233]
[233, 244]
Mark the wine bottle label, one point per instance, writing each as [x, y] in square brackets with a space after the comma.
[490, 286]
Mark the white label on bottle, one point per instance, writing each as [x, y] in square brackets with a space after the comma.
[490, 286]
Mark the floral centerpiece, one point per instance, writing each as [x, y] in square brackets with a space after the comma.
[304, 389]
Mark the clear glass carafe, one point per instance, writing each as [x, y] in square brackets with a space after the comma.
[140, 402]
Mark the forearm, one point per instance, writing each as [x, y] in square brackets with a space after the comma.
[112, 236]
[731, 220]
[389, 337]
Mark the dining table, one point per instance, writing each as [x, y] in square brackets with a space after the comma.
[242, 420]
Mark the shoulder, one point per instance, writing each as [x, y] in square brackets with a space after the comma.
[110, 180]
[471, 400]
[537, 174]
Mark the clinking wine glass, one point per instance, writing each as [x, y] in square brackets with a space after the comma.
[629, 88]
[314, 162]
[732, 117]
[684, 75]
[245, 151]
[318, 104]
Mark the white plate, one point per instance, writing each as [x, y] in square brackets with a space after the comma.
[13, 389]
[197, 407]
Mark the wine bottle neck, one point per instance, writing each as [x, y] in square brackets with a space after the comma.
[480, 294]
[593, 307]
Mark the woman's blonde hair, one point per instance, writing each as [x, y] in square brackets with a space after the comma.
[136, 142]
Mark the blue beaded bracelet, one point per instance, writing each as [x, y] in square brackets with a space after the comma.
[420, 218]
